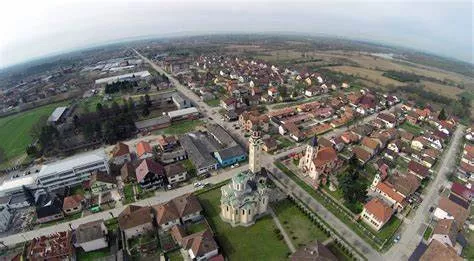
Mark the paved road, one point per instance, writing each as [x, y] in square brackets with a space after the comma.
[160, 198]
[413, 228]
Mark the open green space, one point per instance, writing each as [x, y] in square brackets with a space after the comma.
[427, 233]
[235, 242]
[90, 104]
[413, 129]
[213, 103]
[128, 193]
[468, 251]
[92, 255]
[284, 142]
[337, 194]
[181, 127]
[196, 227]
[174, 256]
[361, 229]
[15, 129]
[297, 225]
[141, 194]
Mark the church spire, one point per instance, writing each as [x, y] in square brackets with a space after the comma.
[314, 141]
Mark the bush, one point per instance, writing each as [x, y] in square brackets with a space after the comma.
[276, 231]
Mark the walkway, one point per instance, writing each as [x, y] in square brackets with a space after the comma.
[282, 230]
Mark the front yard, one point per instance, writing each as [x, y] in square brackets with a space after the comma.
[182, 127]
[93, 255]
[238, 243]
[214, 102]
[297, 225]
[128, 194]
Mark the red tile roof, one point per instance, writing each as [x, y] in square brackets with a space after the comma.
[418, 168]
[72, 201]
[462, 191]
[390, 191]
[147, 166]
[143, 147]
[120, 149]
[381, 210]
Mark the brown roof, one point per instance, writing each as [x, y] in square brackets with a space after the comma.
[313, 252]
[438, 251]
[102, 177]
[270, 143]
[418, 168]
[406, 135]
[381, 210]
[200, 243]
[459, 213]
[133, 216]
[178, 232]
[72, 201]
[176, 208]
[361, 154]
[55, 246]
[325, 155]
[127, 170]
[120, 149]
[370, 143]
[148, 166]
[447, 227]
[174, 169]
[406, 184]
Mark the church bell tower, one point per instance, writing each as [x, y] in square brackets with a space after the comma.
[255, 149]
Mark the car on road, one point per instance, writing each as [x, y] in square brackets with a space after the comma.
[197, 184]
[211, 119]
[396, 239]
[431, 209]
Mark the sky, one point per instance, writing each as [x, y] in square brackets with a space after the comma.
[34, 28]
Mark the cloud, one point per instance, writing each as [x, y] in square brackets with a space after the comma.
[51, 26]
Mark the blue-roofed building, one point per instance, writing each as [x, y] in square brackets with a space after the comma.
[230, 156]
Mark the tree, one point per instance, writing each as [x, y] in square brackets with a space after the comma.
[442, 115]
[354, 190]
[147, 101]
[32, 150]
[35, 130]
[99, 107]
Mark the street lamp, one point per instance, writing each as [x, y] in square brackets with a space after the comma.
[111, 214]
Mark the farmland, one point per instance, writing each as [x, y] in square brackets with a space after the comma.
[15, 129]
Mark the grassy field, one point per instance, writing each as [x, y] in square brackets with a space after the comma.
[128, 194]
[93, 255]
[214, 103]
[300, 229]
[337, 251]
[413, 129]
[427, 233]
[174, 256]
[15, 129]
[372, 75]
[182, 127]
[446, 90]
[235, 242]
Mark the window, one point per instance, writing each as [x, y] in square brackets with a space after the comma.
[243, 212]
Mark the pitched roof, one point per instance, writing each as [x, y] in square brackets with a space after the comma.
[148, 166]
[418, 168]
[270, 142]
[438, 251]
[462, 190]
[120, 149]
[447, 227]
[315, 251]
[458, 212]
[103, 177]
[72, 201]
[325, 155]
[133, 216]
[389, 190]
[89, 231]
[200, 243]
[143, 147]
[361, 154]
[406, 184]
[381, 210]
[370, 143]
[176, 208]
[174, 169]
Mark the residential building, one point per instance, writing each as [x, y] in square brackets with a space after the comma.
[198, 246]
[102, 182]
[376, 213]
[269, 144]
[121, 154]
[167, 143]
[150, 174]
[180, 210]
[437, 251]
[175, 173]
[127, 172]
[73, 204]
[448, 209]
[91, 236]
[446, 232]
[144, 150]
[135, 221]
[245, 199]
[314, 251]
[53, 247]
[173, 156]
[418, 169]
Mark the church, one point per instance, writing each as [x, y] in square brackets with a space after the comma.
[319, 162]
[246, 198]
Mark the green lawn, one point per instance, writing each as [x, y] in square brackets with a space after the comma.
[297, 225]
[413, 129]
[213, 103]
[284, 142]
[128, 193]
[182, 127]
[468, 251]
[93, 255]
[174, 256]
[427, 233]
[236, 242]
[141, 194]
[389, 229]
[15, 129]
[337, 194]
[196, 227]
[90, 104]
[111, 224]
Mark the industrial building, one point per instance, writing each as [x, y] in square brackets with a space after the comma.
[124, 77]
